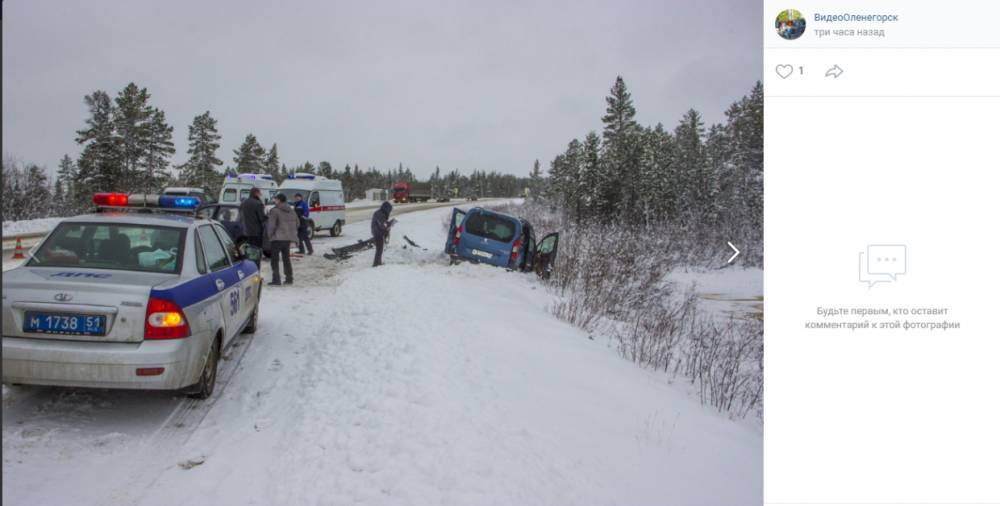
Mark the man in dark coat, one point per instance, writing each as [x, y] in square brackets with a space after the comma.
[302, 210]
[380, 229]
[253, 218]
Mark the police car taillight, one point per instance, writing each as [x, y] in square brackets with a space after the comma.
[165, 320]
[111, 199]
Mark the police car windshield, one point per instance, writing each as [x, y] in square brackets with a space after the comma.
[143, 248]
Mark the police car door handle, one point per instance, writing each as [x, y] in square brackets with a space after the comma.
[220, 284]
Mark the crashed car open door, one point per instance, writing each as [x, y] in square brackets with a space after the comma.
[545, 255]
[454, 231]
[226, 214]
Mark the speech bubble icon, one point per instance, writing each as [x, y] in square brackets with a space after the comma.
[887, 259]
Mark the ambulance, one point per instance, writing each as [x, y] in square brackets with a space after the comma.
[237, 188]
[325, 197]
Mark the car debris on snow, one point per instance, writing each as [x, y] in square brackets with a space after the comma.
[191, 463]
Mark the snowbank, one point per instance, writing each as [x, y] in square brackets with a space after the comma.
[364, 203]
[40, 225]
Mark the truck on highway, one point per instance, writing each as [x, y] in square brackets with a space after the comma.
[405, 191]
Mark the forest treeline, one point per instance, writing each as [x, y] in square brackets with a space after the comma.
[126, 145]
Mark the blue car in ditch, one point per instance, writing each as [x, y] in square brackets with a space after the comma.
[480, 235]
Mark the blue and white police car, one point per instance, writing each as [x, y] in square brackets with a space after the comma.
[128, 299]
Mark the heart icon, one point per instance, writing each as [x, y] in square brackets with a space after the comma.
[784, 70]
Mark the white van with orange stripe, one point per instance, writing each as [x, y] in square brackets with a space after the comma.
[325, 197]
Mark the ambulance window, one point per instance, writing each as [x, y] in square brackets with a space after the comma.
[314, 199]
[229, 195]
[244, 194]
[329, 197]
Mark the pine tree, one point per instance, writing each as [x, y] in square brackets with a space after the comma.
[272, 164]
[595, 184]
[535, 180]
[250, 156]
[66, 176]
[621, 136]
[325, 169]
[132, 131]
[657, 182]
[203, 142]
[689, 166]
[745, 128]
[99, 166]
[58, 198]
[157, 152]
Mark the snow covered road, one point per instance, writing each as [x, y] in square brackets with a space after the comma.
[412, 383]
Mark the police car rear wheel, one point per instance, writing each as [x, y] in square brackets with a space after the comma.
[335, 229]
[206, 383]
[252, 324]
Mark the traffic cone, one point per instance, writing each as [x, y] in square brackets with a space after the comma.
[18, 250]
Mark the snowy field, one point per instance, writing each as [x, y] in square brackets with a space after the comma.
[726, 292]
[364, 203]
[40, 225]
[412, 383]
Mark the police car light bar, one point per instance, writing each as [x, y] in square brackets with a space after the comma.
[302, 176]
[111, 199]
[179, 202]
[141, 201]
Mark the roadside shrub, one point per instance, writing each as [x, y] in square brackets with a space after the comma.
[612, 280]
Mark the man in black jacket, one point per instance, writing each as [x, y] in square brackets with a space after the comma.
[253, 218]
[380, 229]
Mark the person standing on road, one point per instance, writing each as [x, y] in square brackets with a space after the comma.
[282, 228]
[302, 211]
[253, 220]
[380, 229]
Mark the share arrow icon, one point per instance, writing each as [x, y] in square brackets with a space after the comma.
[734, 254]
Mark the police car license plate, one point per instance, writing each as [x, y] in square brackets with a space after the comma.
[51, 323]
[483, 254]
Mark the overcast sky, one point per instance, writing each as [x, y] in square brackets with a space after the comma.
[460, 84]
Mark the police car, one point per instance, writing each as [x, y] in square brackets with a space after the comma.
[129, 297]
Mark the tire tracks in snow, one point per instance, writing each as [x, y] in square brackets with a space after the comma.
[165, 444]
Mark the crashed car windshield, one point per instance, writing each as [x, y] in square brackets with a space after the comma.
[491, 226]
[111, 246]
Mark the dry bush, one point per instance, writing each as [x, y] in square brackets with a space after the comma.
[613, 280]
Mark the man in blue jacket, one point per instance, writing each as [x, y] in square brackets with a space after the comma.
[380, 230]
[302, 210]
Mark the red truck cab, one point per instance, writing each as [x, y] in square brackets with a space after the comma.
[404, 191]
